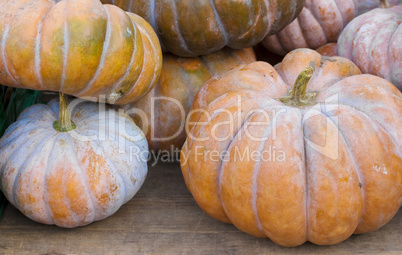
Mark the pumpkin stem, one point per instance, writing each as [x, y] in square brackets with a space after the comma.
[385, 4]
[298, 96]
[64, 124]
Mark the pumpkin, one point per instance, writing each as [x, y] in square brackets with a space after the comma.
[79, 47]
[368, 5]
[315, 162]
[374, 42]
[329, 50]
[320, 22]
[71, 173]
[190, 28]
[167, 105]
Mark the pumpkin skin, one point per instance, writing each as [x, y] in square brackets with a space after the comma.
[320, 192]
[56, 178]
[320, 22]
[190, 28]
[179, 81]
[373, 41]
[78, 47]
[368, 5]
[329, 50]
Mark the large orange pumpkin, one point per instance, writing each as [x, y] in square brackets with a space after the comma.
[316, 162]
[71, 173]
[191, 28]
[167, 105]
[79, 47]
[320, 22]
[374, 42]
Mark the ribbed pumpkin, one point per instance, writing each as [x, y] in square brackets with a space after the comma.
[373, 41]
[316, 162]
[368, 5]
[71, 173]
[198, 27]
[167, 105]
[79, 47]
[320, 22]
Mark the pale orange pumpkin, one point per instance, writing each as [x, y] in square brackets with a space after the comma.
[167, 105]
[320, 22]
[71, 173]
[316, 162]
[79, 47]
[374, 42]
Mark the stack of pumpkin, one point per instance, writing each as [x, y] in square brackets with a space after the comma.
[333, 134]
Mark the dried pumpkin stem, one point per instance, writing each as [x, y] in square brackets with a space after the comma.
[64, 124]
[385, 4]
[298, 95]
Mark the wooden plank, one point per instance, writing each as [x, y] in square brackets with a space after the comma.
[163, 218]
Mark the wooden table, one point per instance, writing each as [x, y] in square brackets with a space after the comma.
[164, 218]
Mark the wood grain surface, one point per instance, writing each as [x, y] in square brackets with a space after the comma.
[163, 218]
